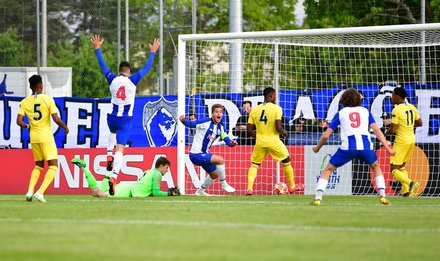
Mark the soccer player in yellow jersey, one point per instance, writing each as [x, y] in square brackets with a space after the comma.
[405, 118]
[265, 126]
[38, 108]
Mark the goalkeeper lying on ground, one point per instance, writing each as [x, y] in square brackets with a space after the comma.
[147, 185]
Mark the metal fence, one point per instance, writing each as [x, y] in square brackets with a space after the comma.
[70, 26]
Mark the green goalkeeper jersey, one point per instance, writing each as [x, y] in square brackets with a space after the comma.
[148, 185]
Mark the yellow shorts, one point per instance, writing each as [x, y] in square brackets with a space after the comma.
[278, 151]
[403, 153]
[45, 151]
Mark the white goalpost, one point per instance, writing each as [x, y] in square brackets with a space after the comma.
[310, 69]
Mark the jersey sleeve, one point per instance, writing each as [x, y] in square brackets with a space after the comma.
[370, 119]
[251, 118]
[135, 78]
[395, 116]
[52, 106]
[155, 186]
[278, 113]
[104, 68]
[21, 110]
[416, 114]
[335, 122]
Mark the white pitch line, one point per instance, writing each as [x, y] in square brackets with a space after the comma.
[227, 225]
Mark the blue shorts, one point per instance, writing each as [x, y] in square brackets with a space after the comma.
[121, 126]
[343, 156]
[203, 160]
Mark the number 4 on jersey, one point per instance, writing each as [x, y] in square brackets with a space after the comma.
[120, 94]
[263, 117]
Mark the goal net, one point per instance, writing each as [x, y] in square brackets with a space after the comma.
[310, 69]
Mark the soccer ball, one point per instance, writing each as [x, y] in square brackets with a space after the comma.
[281, 188]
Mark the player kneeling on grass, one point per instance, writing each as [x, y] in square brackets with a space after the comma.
[355, 122]
[207, 131]
[147, 185]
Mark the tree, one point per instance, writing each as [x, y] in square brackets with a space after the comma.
[321, 13]
[13, 51]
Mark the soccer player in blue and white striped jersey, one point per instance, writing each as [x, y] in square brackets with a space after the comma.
[123, 91]
[207, 131]
[355, 122]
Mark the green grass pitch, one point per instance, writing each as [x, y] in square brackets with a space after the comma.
[81, 227]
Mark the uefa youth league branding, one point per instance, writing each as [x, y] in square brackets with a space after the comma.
[159, 122]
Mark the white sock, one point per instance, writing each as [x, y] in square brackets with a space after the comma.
[117, 164]
[221, 173]
[111, 143]
[320, 188]
[208, 181]
[380, 184]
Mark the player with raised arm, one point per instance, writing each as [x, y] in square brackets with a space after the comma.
[405, 117]
[355, 122]
[39, 108]
[123, 91]
[207, 131]
[147, 185]
[265, 126]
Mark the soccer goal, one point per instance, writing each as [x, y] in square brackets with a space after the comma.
[310, 69]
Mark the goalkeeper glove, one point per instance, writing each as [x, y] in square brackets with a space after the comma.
[174, 191]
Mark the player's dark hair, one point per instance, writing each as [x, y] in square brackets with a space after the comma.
[124, 65]
[248, 102]
[351, 98]
[267, 91]
[400, 91]
[162, 161]
[215, 106]
[34, 80]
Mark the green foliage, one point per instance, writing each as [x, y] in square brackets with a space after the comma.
[322, 14]
[13, 51]
[88, 80]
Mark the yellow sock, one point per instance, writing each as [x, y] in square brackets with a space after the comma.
[35, 175]
[400, 176]
[288, 171]
[252, 174]
[48, 178]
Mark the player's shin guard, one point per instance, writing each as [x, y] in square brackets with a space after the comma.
[252, 174]
[288, 171]
[111, 143]
[208, 181]
[48, 178]
[400, 176]
[380, 184]
[320, 188]
[35, 175]
[117, 164]
[221, 173]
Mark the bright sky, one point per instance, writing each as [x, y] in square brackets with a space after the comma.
[300, 13]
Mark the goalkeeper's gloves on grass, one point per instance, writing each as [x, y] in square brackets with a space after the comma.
[174, 191]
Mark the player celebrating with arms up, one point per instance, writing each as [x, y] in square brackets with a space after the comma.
[207, 131]
[123, 90]
[266, 119]
[355, 122]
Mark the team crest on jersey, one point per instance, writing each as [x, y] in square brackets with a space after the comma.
[160, 122]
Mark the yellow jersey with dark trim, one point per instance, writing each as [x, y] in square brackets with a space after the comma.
[38, 108]
[404, 115]
[263, 117]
